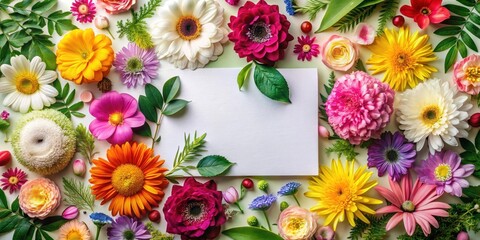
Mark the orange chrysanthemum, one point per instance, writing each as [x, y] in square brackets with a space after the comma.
[131, 177]
[83, 57]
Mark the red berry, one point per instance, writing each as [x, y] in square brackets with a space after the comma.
[247, 183]
[5, 158]
[154, 216]
[398, 21]
[306, 27]
[474, 120]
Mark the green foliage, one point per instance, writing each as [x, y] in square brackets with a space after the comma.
[64, 103]
[343, 147]
[353, 18]
[458, 29]
[191, 150]
[156, 234]
[76, 193]
[250, 233]
[85, 142]
[22, 32]
[328, 89]
[387, 12]
[213, 165]
[471, 154]
[312, 8]
[136, 29]
[335, 11]
[373, 231]
[271, 83]
[243, 75]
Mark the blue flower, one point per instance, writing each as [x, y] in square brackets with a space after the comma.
[100, 218]
[263, 202]
[289, 188]
[289, 7]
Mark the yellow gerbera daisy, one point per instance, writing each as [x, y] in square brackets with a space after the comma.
[74, 230]
[83, 57]
[339, 192]
[403, 57]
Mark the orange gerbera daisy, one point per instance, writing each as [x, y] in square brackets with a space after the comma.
[83, 57]
[131, 177]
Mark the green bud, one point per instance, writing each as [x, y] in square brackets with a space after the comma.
[252, 221]
[263, 185]
[283, 205]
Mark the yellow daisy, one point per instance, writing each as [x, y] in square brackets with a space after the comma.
[403, 57]
[74, 230]
[339, 192]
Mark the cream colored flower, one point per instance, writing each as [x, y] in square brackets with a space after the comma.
[339, 53]
[39, 197]
[296, 223]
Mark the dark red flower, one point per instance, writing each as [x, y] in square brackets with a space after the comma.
[260, 32]
[195, 210]
[425, 12]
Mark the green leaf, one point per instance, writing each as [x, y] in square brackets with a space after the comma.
[37, 48]
[147, 108]
[43, 6]
[57, 15]
[467, 145]
[353, 18]
[45, 235]
[213, 165]
[250, 233]
[454, 20]
[475, 18]
[4, 213]
[451, 57]
[468, 41]
[15, 205]
[271, 83]
[477, 141]
[8, 25]
[70, 97]
[473, 29]
[78, 114]
[445, 44]
[77, 106]
[22, 229]
[51, 224]
[154, 95]
[9, 223]
[30, 233]
[448, 31]
[468, 3]
[175, 106]
[170, 89]
[64, 25]
[4, 124]
[469, 156]
[472, 192]
[23, 4]
[65, 91]
[3, 199]
[21, 38]
[367, 3]
[243, 75]
[335, 11]
[459, 10]
[462, 49]
[38, 235]
[143, 131]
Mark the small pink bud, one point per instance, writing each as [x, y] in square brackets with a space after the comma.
[70, 213]
[86, 96]
[79, 167]
[230, 195]
[232, 2]
[325, 233]
[101, 22]
[463, 236]
[4, 115]
[474, 120]
[364, 34]
[323, 132]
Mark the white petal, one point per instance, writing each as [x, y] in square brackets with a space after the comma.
[6, 86]
[36, 101]
[48, 90]
[9, 72]
[20, 63]
[25, 101]
[37, 66]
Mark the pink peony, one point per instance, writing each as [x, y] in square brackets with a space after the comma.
[466, 74]
[39, 197]
[359, 107]
[260, 32]
[116, 6]
[116, 114]
[195, 210]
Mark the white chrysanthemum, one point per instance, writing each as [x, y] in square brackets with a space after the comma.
[189, 33]
[27, 84]
[435, 112]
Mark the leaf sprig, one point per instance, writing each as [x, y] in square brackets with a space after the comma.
[85, 142]
[64, 102]
[328, 89]
[343, 147]
[191, 150]
[388, 9]
[472, 153]
[353, 18]
[373, 231]
[312, 8]
[76, 193]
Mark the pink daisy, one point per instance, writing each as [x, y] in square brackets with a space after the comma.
[84, 10]
[13, 179]
[412, 205]
[306, 48]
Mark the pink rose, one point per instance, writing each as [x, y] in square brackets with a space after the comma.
[39, 197]
[296, 223]
[466, 74]
[339, 53]
[116, 6]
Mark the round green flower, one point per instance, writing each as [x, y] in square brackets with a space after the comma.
[44, 141]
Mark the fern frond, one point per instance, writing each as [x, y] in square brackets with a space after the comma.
[148, 10]
[353, 18]
[76, 193]
[191, 150]
[312, 8]
[85, 143]
[373, 231]
[387, 12]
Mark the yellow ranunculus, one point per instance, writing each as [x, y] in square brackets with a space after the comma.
[339, 53]
[39, 197]
[295, 223]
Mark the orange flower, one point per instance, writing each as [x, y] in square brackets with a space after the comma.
[83, 57]
[131, 177]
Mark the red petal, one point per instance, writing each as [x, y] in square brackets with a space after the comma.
[422, 20]
[439, 15]
[408, 11]
[435, 4]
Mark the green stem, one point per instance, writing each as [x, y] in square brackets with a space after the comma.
[98, 232]
[268, 221]
[108, 30]
[239, 208]
[159, 123]
[296, 200]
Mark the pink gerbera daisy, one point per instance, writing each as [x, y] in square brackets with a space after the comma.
[306, 48]
[84, 10]
[13, 179]
[412, 205]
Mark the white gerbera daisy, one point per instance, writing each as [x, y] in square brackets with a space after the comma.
[435, 112]
[27, 84]
[189, 33]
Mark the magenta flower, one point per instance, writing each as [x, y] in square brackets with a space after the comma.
[306, 48]
[359, 107]
[116, 114]
[13, 179]
[443, 169]
[83, 10]
[4, 115]
[136, 65]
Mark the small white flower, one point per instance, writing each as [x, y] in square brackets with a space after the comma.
[27, 84]
[434, 112]
[189, 33]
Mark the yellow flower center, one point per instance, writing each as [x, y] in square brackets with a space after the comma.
[343, 195]
[443, 172]
[27, 82]
[127, 179]
[339, 52]
[408, 206]
[473, 74]
[13, 180]
[402, 61]
[306, 48]
[38, 197]
[295, 225]
[425, 11]
[74, 235]
[189, 28]
[430, 115]
[115, 119]
[83, 9]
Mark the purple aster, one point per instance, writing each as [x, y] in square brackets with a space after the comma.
[392, 154]
[125, 228]
[136, 65]
[289, 188]
[263, 202]
[443, 169]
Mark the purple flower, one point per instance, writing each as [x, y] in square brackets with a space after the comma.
[4, 115]
[289, 188]
[136, 65]
[125, 228]
[443, 169]
[392, 154]
[263, 202]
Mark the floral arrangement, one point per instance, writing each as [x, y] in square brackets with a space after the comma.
[399, 133]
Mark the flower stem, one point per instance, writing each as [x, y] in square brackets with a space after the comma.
[296, 200]
[238, 206]
[268, 221]
[98, 232]
[159, 123]
[108, 29]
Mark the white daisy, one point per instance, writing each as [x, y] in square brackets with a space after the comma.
[189, 33]
[27, 84]
[435, 112]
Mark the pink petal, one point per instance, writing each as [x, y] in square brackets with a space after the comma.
[439, 15]
[433, 205]
[406, 184]
[123, 133]
[423, 222]
[364, 34]
[389, 195]
[136, 120]
[424, 192]
[409, 223]
[130, 106]
[394, 221]
[436, 212]
[389, 209]
[408, 11]
[101, 130]
[422, 20]
[397, 190]
[109, 103]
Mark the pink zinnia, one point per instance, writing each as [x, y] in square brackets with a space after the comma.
[412, 205]
[84, 10]
[13, 179]
[306, 48]
[466, 74]
[359, 107]
[425, 12]
[116, 114]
